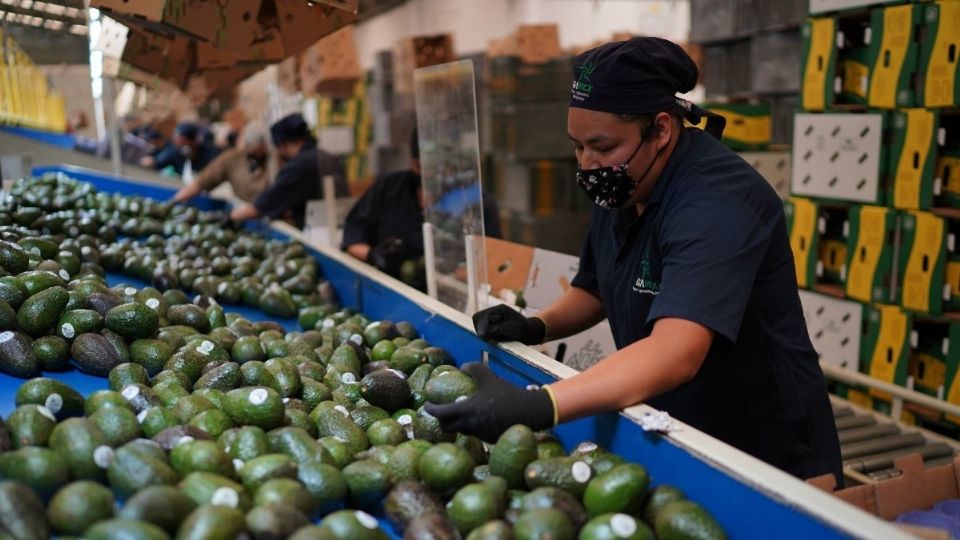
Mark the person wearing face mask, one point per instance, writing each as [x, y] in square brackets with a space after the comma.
[385, 226]
[300, 177]
[688, 258]
[244, 168]
[189, 143]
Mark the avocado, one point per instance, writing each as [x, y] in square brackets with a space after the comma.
[16, 355]
[409, 499]
[225, 377]
[386, 388]
[378, 331]
[365, 415]
[599, 459]
[353, 525]
[63, 401]
[687, 520]
[8, 316]
[474, 447]
[244, 443]
[386, 431]
[40, 312]
[551, 497]
[171, 437]
[133, 321]
[152, 354]
[567, 473]
[13, 258]
[213, 523]
[258, 406]
[616, 526]
[79, 505]
[407, 359]
[449, 386]
[189, 315]
[288, 382]
[515, 449]
[12, 291]
[46, 249]
[255, 472]
[168, 390]
[118, 424]
[213, 421]
[137, 465]
[125, 529]
[425, 426]
[198, 455]
[163, 506]
[246, 349]
[312, 532]
[43, 469]
[325, 483]
[336, 422]
[275, 521]
[314, 392]
[154, 420]
[22, 515]
[543, 523]
[102, 302]
[298, 444]
[52, 353]
[492, 530]
[141, 397]
[278, 303]
[345, 359]
[30, 425]
[285, 492]
[431, 527]
[104, 399]
[657, 498]
[79, 441]
[78, 321]
[475, 504]
[620, 490]
[368, 481]
[446, 467]
[208, 488]
[36, 281]
[338, 449]
[94, 354]
[127, 373]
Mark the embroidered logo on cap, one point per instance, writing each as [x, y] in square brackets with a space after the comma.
[582, 86]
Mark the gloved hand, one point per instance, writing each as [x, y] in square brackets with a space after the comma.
[496, 406]
[388, 255]
[501, 323]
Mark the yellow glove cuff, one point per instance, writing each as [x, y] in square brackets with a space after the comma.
[553, 400]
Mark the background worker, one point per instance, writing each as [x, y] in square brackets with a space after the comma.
[245, 168]
[190, 142]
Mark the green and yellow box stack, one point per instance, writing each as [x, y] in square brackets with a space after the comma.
[898, 60]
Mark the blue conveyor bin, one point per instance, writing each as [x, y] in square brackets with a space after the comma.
[749, 498]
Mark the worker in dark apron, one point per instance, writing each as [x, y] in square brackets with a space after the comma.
[688, 258]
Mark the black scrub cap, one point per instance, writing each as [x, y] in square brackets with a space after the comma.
[188, 130]
[639, 76]
[289, 128]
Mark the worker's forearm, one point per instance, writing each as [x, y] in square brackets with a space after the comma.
[643, 370]
[244, 212]
[186, 193]
[575, 311]
[359, 251]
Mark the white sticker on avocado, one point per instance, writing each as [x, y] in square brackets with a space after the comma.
[152, 303]
[238, 464]
[357, 338]
[47, 413]
[339, 438]
[623, 525]
[342, 410]
[67, 330]
[221, 287]
[225, 496]
[397, 372]
[130, 392]
[141, 416]
[102, 456]
[405, 420]
[207, 346]
[580, 471]
[278, 270]
[367, 520]
[184, 439]
[258, 396]
[64, 274]
[74, 231]
[586, 447]
[85, 250]
[54, 403]
[35, 250]
[286, 400]
[129, 291]
[5, 337]
[348, 378]
[460, 398]
[328, 323]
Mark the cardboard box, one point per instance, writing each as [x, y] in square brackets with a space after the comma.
[802, 217]
[913, 156]
[870, 237]
[885, 346]
[915, 489]
[330, 66]
[200, 19]
[748, 125]
[923, 259]
[301, 25]
[168, 57]
[538, 43]
[413, 53]
[819, 63]
[940, 72]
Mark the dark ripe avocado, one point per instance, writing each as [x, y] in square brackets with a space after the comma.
[161, 505]
[189, 315]
[275, 521]
[277, 302]
[94, 354]
[410, 499]
[22, 514]
[103, 302]
[431, 527]
[16, 355]
[386, 388]
[551, 497]
[133, 321]
[8, 316]
[13, 258]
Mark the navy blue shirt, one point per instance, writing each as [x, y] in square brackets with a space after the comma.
[298, 181]
[711, 246]
[390, 208]
[170, 156]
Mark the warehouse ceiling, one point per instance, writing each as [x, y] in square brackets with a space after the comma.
[55, 32]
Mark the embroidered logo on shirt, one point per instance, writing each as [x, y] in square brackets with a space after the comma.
[645, 284]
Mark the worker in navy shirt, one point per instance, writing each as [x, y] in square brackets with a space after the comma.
[688, 258]
[300, 178]
[189, 143]
[385, 226]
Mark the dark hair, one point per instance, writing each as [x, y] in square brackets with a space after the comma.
[646, 120]
[414, 145]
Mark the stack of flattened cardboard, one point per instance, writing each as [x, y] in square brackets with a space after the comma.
[330, 66]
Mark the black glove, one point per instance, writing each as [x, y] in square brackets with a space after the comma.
[495, 407]
[388, 255]
[501, 323]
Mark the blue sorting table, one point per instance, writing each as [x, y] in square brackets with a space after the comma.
[749, 498]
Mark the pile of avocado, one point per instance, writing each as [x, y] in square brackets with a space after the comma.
[215, 426]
